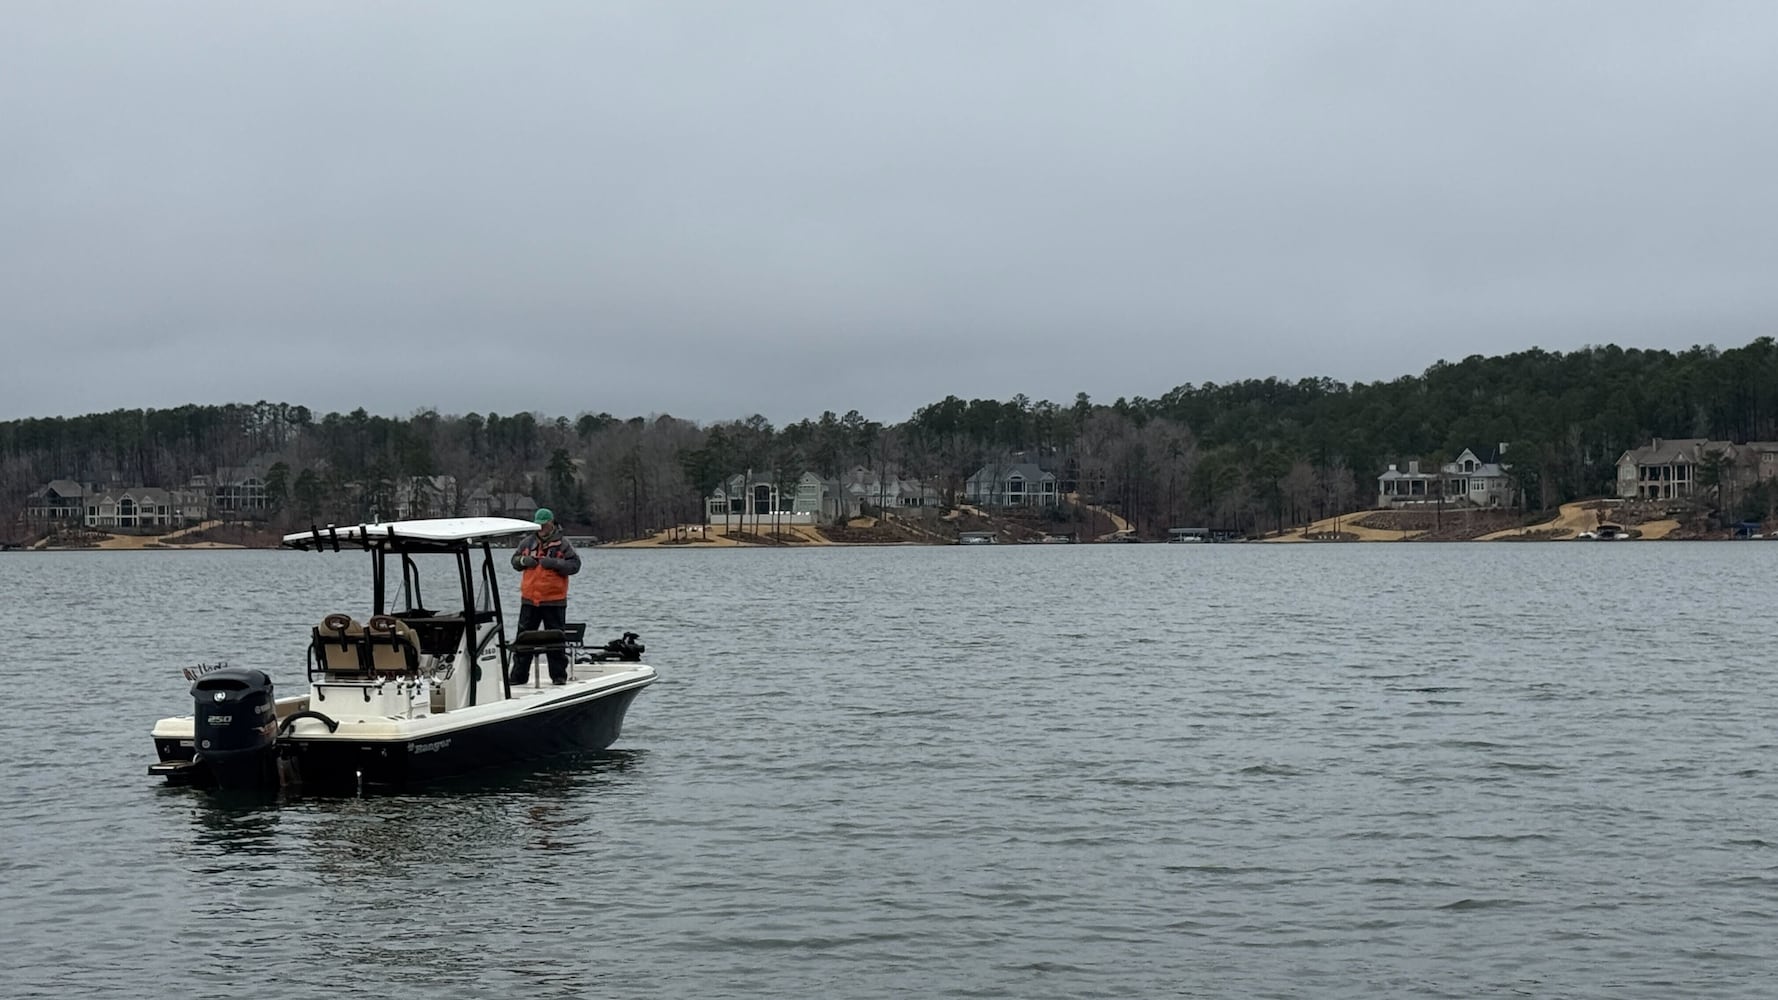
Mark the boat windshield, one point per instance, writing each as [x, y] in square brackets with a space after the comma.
[427, 584]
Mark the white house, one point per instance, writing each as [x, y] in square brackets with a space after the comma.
[750, 500]
[1467, 480]
[143, 507]
[1482, 483]
[1020, 484]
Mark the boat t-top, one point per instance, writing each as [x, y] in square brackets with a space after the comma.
[417, 689]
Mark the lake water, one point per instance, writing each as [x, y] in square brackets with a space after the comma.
[1045, 771]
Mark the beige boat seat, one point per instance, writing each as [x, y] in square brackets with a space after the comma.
[392, 646]
[338, 646]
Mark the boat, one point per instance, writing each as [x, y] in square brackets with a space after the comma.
[421, 691]
[977, 538]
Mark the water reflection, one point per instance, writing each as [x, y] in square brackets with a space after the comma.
[230, 824]
[396, 833]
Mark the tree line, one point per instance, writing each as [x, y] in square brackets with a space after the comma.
[1249, 455]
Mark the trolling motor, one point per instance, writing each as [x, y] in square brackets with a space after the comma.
[236, 727]
[626, 650]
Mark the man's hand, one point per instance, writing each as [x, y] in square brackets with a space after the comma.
[526, 562]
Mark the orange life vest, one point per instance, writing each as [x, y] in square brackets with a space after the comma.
[538, 585]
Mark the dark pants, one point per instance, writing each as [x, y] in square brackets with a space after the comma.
[536, 616]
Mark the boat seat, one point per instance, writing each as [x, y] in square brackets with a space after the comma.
[391, 647]
[338, 646]
[541, 640]
[569, 636]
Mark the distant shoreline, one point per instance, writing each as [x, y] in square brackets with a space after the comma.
[1574, 521]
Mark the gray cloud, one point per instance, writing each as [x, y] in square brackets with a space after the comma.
[719, 209]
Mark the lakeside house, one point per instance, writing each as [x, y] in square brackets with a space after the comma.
[1467, 480]
[234, 488]
[144, 507]
[749, 500]
[66, 503]
[885, 490]
[60, 501]
[486, 501]
[427, 496]
[1018, 484]
[1671, 469]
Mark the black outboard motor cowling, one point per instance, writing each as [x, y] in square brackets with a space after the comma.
[236, 722]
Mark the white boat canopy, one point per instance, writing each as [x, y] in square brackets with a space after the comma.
[432, 530]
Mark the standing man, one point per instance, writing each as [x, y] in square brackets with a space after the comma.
[546, 561]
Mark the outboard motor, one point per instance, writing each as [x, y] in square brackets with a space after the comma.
[236, 723]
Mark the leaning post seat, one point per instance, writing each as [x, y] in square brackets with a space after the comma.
[543, 640]
[392, 647]
[338, 646]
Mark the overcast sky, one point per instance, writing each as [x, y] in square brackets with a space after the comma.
[717, 209]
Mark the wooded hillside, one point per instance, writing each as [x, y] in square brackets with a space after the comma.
[1252, 455]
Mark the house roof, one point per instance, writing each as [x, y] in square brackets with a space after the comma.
[430, 484]
[995, 472]
[62, 488]
[235, 475]
[140, 494]
[741, 482]
[1394, 473]
[1487, 456]
[1482, 470]
[1676, 451]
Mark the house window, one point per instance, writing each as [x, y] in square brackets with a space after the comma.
[762, 499]
[737, 505]
[1015, 490]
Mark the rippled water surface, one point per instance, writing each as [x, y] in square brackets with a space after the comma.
[1047, 771]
